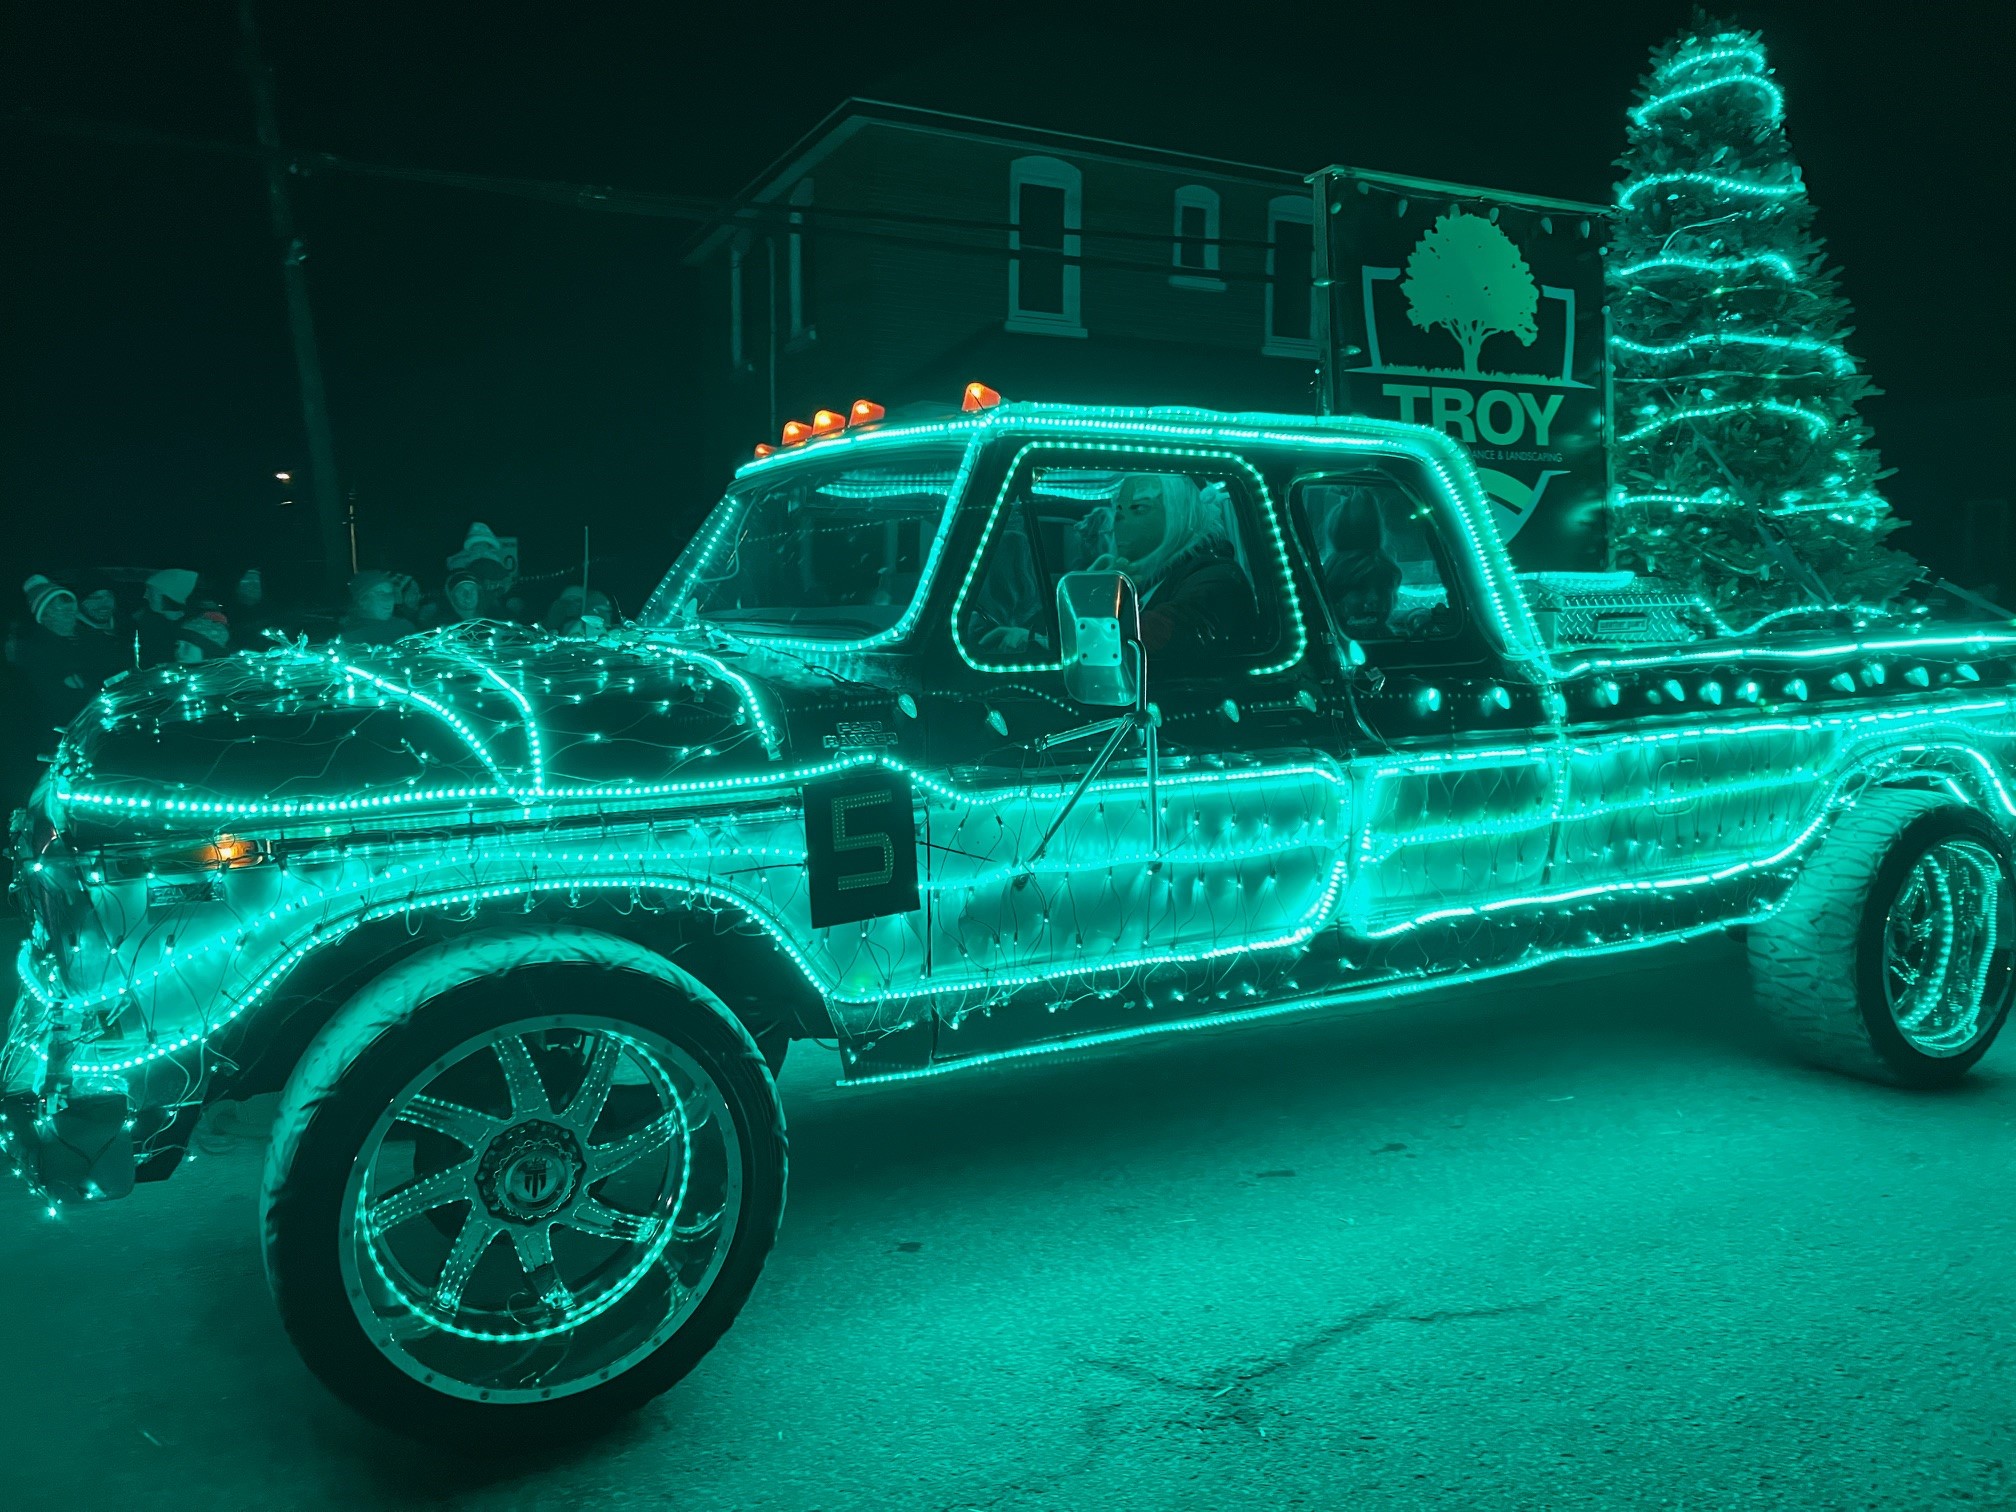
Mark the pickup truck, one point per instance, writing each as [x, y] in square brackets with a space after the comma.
[946, 742]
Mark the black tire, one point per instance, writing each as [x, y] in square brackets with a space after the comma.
[1818, 963]
[401, 1027]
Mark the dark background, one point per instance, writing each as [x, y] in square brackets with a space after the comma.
[533, 365]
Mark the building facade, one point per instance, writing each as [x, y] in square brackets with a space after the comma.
[897, 254]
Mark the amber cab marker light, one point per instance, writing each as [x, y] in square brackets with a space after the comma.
[865, 412]
[828, 423]
[229, 851]
[796, 432]
[979, 397]
[764, 449]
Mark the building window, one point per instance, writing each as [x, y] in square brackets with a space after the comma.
[1195, 248]
[1045, 205]
[1291, 276]
[800, 265]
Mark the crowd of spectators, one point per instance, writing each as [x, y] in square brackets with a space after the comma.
[78, 634]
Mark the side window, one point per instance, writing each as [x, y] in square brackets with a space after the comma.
[1194, 248]
[1382, 566]
[1291, 275]
[1045, 208]
[1190, 541]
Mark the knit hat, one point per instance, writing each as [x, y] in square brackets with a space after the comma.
[43, 594]
[205, 627]
[481, 544]
[174, 584]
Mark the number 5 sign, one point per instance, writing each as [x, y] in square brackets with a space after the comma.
[860, 846]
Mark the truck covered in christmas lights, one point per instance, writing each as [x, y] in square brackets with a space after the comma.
[950, 741]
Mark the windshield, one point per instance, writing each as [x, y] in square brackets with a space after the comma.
[831, 553]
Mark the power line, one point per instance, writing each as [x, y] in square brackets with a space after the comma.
[760, 215]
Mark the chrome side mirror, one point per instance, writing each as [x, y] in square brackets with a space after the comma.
[1099, 633]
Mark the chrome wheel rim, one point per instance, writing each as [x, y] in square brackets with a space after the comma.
[540, 1209]
[1940, 942]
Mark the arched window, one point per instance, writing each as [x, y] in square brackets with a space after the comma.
[1045, 205]
[1194, 244]
[1291, 277]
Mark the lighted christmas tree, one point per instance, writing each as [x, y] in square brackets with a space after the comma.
[1735, 392]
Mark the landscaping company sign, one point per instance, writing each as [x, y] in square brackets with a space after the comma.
[1482, 317]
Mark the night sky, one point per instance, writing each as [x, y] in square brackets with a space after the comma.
[534, 366]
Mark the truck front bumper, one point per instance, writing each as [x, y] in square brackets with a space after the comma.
[70, 1140]
[70, 1149]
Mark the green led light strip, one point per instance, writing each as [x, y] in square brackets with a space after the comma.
[766, 731]
[1701, 57]
[1393, 987]
[1812, 419]
[1228, 460]
[535, 753]
[1839, 359]
[478, 747]
[925, 575]
[1712, 181]
[675, 879]
[1507, 617]
[1777, 262]
[755, 909]
[1774, 96]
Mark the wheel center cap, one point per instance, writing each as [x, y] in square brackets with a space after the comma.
[530, 1172]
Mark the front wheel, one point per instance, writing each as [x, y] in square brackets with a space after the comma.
[527, 1201]
[1891, 957]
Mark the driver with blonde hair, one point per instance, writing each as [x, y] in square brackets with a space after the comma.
[1171, 541]
[1196, 604]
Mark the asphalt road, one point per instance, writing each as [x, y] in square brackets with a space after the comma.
[1584, 1240]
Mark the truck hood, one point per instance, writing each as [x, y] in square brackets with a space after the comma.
[485, 715]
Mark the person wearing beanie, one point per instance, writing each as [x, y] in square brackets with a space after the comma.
[481, 544]
[50, 656]
[476, 591]
[203, 634]
[44, 597]
[373, 618]
[158, 624]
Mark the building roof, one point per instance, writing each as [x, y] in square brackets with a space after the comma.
[851, 116]
[1443, 189]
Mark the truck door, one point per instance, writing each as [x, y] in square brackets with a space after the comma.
[1455, 783]
[1252, 804]
[1671, 770]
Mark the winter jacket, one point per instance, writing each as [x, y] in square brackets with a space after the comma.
[56, 673]
[1197, 616]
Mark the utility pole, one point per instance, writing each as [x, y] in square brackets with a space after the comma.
[333, 529]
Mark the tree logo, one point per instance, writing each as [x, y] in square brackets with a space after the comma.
[1467, 276]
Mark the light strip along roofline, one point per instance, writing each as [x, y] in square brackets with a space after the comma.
[1503, 608]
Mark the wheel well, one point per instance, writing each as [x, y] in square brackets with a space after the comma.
[742, 965]
[1969, 775]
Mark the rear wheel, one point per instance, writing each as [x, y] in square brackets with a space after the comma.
[1891, 958]
[527, 1203]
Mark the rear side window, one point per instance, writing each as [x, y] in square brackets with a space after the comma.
[1189, 533]
[1383, 567]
